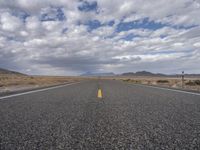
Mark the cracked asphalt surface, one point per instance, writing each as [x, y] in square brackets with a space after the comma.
[128, 117]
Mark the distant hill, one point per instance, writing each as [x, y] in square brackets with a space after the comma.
[128, 74]
[98, 74]
[142, 73]
[150, 74]
[5, 71]
[192, 75]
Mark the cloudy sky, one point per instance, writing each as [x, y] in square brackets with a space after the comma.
[71, 37]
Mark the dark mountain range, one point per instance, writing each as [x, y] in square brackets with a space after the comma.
[142, 73]
[98, 74]
[150, 74]
[5, 71]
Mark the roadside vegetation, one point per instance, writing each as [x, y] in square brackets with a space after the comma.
[15, 82]
[193, 83]
[162, 81]
[189, 83]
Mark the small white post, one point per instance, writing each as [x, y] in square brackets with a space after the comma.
[182, 76]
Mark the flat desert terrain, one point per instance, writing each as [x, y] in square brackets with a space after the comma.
[12, 82]
[170, 82]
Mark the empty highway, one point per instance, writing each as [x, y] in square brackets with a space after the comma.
[100, 114]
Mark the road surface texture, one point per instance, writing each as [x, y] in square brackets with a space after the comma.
[127, 117]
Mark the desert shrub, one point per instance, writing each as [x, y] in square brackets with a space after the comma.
[127, 80]
[193, 83]
[197, 82]
[31, 83]
[136, 81]
[190, 83]
[14, 83]
[162, 81]
[148, 82]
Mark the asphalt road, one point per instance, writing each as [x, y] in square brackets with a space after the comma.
[127, 117]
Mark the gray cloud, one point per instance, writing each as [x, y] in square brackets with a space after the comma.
[33, 46]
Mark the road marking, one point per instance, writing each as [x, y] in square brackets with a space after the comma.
[174, 90]
[35, 91]
[99, 94]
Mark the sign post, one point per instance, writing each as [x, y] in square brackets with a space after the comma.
[182, 77]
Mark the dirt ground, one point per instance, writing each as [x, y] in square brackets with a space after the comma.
[188, 84]
[19, 82]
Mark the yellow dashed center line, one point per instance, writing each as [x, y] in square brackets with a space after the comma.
[99, 94]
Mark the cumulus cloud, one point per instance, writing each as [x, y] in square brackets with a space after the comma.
[72, 37]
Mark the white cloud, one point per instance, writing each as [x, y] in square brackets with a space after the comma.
[9, 22]
[104, 31]
[197, 44]
[32, 23]
[67, 47]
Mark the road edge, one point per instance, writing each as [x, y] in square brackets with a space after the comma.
[167, 88]
[37, 90]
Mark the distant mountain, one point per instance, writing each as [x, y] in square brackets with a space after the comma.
[146, 73]
[128, 74]
[142, 73]
[5, 71]
[192, 75]
[98, 74]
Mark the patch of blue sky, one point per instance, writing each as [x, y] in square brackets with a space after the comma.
[145, 24]
[129, 37]
[53, 14]
[20, 14]
[13, 38]
[163, 36]
[183, 27]
[86, 6]
[110, 23]
[64, 30]
[148, 24]
[93, 24]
